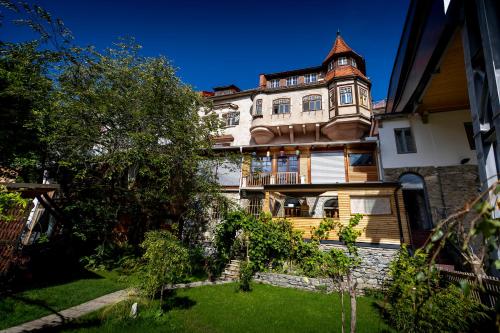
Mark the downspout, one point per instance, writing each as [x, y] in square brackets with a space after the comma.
[398, 214]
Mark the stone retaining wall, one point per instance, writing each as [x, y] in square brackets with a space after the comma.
[297, 282]
[371, 274]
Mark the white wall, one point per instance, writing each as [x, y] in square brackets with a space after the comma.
[241, 132]
[440, 142]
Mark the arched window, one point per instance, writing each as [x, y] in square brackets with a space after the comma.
[281, 105]
[411, 181]
[311, 103]
[331, 208]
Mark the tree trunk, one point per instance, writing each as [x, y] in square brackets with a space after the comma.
[342, 305]
[352, 295]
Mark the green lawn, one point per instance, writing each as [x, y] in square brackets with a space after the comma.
[222, 309]
[35, 303]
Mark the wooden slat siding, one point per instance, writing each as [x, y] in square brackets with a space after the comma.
[363, 173]
[382, 229]
[491, 285]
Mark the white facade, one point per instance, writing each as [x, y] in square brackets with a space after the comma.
[240, 132]
[442, 141]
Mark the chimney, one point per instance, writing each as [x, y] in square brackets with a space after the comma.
[262, 81]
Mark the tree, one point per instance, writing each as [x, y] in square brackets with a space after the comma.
[340, 264]
[25, 97]
[166, 262]
[129, 143]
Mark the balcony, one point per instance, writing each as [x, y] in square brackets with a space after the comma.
[261, 179]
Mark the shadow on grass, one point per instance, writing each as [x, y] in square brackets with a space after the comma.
[71, 325]
[177, 303]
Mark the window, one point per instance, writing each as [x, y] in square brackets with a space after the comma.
[311, 103]
[470, 135]
[371, 205]
[261, 164]
[331, 208]
[361, 159]
[345, 95]
[404, 141]
[292, 207]
[258, 107]
[288, 163]
[275, 83]
[331, 97]
[292, 80]
[342, 61]
[353, 63]
[363, 96]
[310, 78]
[231, 118]
[330, 66]
[281, 106]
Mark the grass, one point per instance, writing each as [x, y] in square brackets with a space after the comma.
[41, 301]
[222, 309]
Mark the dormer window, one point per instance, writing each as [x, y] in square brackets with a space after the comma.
[330, 66]
[292, 81]
[275, 83]
[281, 106]
[353, 63]
[342, 61]
[310, 78]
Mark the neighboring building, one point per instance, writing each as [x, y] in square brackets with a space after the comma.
[440, 131]
[306, 154]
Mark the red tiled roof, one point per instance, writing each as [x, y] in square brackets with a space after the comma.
[339, 46]
[347, 70]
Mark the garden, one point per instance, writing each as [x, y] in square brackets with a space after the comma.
[123, 137]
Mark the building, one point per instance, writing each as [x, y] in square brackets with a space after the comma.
[306, 154]
[440, 130]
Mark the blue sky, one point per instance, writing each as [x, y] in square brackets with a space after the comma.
[231, 42]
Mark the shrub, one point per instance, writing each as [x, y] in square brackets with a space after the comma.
[415, 301]
[166, 259]
[247, 270]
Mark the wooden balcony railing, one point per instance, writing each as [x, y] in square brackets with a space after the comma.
[261, 179]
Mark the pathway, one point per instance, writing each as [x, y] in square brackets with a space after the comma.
[74, 312]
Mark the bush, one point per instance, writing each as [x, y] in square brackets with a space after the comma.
[166, 259]
[247, 271]
[416, 302]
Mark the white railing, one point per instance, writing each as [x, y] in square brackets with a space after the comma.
[261, 179]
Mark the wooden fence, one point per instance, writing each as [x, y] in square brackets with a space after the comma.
[487, 292]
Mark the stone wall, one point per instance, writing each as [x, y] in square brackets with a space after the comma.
[294, 281]
[448, 188]
[371, 274]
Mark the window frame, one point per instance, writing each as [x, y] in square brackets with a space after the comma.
[332, 209]
[258, 107]
[342, 61]
[374, 162]
[278, 102]
[274, 83]
[331, 97]
[399, 147]
[292, 80]
[310, 100]
[361, 95]
[353, 63]
[265, 163]
[295, 164]
[231, 115]
[308, 78]
[348, 92]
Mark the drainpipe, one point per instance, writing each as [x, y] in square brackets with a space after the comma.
[396, 200]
